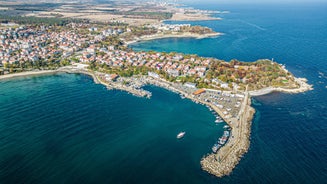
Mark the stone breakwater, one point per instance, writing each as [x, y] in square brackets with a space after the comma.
[224, 161]
[100, 79]
[134, 90]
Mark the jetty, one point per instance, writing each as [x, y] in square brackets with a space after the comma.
[223, 162]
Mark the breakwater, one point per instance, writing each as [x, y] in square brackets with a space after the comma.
[223, 162]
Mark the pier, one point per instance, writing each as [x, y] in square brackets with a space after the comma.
[223, 162]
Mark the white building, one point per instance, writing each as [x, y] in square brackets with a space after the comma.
[173, 72]
[190, 85]
[154, 75]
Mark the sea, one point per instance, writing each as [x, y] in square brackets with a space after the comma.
[64, 128]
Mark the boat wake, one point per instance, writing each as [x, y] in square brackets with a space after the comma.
[253, 25]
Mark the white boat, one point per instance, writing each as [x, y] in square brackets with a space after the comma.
[226, 133]
[180, 135]
[215, 148]
[219, 120]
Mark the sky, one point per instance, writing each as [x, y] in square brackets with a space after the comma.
[253, 1]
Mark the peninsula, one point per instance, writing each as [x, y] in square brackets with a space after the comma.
[78, 46]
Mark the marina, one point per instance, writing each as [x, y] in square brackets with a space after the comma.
[221, 142]
[219, 120]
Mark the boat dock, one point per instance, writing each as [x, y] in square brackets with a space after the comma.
[227, 157]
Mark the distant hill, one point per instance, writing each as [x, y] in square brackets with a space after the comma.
[53, 1]
[80, 1]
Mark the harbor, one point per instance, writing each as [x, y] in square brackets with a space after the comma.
[234, 108]
[227, 157]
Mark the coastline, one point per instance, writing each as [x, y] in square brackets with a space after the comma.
[28, 73]
[196, 15]
[162, 36]
[224, 161]
[48, 72]
[304, 86]
[191, 17]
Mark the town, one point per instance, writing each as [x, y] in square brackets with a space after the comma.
[96, 39]
[41, 47]
[101, 51]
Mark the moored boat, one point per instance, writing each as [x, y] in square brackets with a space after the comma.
[215, 148]
[219, 120]
[222, 140]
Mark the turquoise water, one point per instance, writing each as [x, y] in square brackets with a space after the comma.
[66, 129]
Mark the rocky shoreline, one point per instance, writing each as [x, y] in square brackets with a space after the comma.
[304, 86]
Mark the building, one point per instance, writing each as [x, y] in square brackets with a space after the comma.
[154, 75]
[221, 83]
[112, 77]
[190, 85]
[173, 72]
[199, 91]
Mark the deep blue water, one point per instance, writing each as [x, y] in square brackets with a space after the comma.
[289, 137]
[66, 129]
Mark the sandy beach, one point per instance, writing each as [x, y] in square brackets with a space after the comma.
[29, 73]
[49, 72]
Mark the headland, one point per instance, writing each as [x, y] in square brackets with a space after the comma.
[99, 50]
